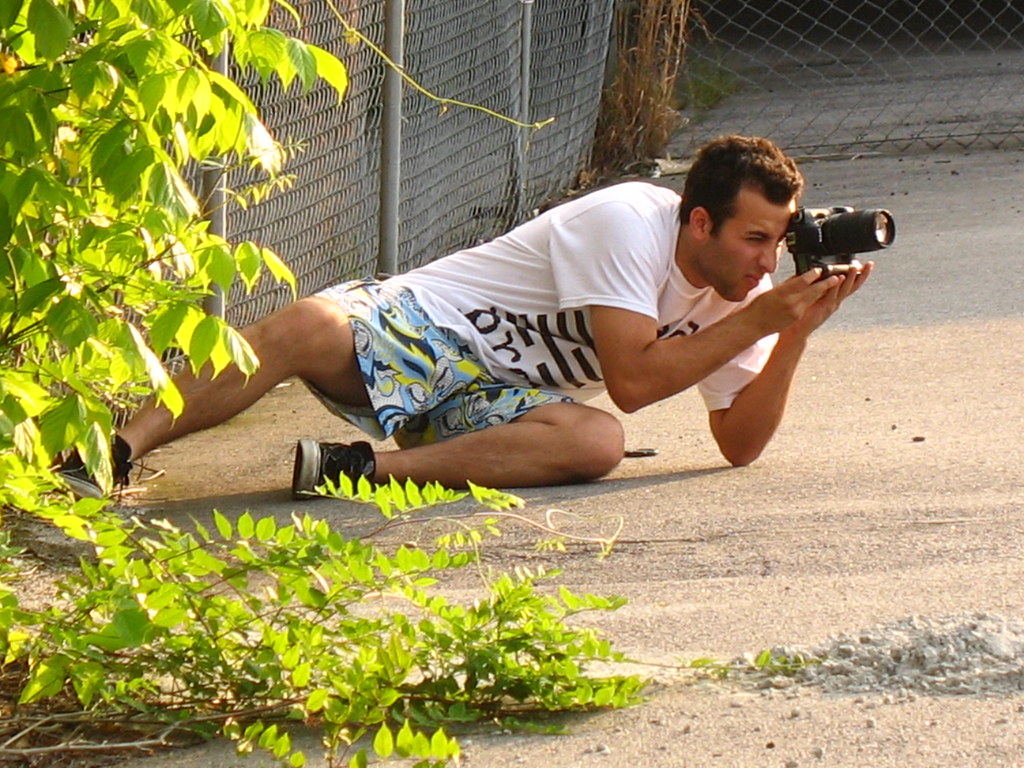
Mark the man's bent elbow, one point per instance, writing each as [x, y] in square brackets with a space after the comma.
[740, 457]
[736, 443]
[628, 400]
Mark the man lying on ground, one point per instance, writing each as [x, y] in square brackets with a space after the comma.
[478, 364]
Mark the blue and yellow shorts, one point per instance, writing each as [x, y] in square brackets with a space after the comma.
[425, 384]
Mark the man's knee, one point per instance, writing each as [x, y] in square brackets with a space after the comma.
[303, 333]
[309, 318]
[601, 441]
[592, 440]
[310, 338]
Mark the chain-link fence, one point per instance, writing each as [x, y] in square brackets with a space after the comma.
[464, 177]
[830, 76]
[819, 76]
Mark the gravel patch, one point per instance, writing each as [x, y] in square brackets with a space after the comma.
[971, 654]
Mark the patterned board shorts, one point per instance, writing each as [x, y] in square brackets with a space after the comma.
[425, 384]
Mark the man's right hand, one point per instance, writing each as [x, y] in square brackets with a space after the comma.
[803, 302]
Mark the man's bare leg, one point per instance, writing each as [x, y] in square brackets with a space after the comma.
[550, 445]
[310, 338]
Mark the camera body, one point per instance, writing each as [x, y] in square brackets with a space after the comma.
[829, 237]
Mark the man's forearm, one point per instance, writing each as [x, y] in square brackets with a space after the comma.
[668, 366]
[744, 429]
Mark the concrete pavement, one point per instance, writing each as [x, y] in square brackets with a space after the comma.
[895, 487]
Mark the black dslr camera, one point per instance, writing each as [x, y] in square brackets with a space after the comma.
[828, 237]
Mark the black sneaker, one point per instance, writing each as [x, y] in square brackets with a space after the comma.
[316, 462]
[74, 474]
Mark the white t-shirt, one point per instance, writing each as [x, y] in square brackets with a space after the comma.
[522, 301]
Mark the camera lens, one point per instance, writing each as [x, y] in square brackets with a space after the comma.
[857, 231]
[885, 230]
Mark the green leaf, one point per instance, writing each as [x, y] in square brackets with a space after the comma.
[224, 527]
[165, 322]
[218, 266]
[330, 69]
[364, 490]
[170, 617]
[70, 322]
[131, 625]
[89, 77]
[441, 747]
[37, 295]
[186, 85]
[203, 340]
[396, 492]
[229, 91]
[46, 679]
[32, 399]
[278, 268]
[267, 51]
[282, 745]
[24, 185]
[97, 452]
[155, 371]
[18, 134]
[60, 425]
[316, 700]
[124, 177]
[246, 527]
[384, 742]
[238, 349]
[88, 678]
[170, 192]
[208, 18]
[301, 675]
[495, 499]
[9, 11]
[110, 149]
[153, 89]
[266, 528]
[52, 27]
[303, 62]
[171, 398]
[406, 741]
[249, 260]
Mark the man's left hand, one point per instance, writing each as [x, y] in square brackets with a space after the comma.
[823, 309]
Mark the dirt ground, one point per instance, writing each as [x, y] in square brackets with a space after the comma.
[894, 488]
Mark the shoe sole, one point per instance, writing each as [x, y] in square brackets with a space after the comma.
[306, 472]
[83, 489]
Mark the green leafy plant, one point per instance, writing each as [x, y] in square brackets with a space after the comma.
[395, 498]
[767, 662]
[104, 252]
[241, 626]
[398, 501]
[235, 627]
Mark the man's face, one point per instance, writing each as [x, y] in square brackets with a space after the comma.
[746, 247]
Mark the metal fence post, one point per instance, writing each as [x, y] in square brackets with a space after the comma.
[391, 138]
[523, 137]
[213, 185]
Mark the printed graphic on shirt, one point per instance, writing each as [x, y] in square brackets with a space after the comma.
[678, 329]
[546, 350]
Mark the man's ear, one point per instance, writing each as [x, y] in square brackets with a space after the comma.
[701, 224]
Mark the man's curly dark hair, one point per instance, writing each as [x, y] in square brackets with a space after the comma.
[727, 163]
